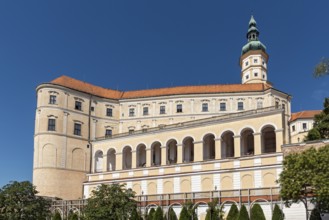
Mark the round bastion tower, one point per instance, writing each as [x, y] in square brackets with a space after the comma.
[253, 60]
[61, 146]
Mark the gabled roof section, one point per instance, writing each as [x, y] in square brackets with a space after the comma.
[304, 115]
[179, 90]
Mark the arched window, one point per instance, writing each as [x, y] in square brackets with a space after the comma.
[247, 142]
[188, 150]
[111, 160]
[172, 152]
[209, 147]
[141, 155]
[268, 140]
[98, 161]
[156, 154]
[227, 144]
[126, 158]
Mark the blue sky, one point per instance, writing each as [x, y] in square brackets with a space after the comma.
[129, 45]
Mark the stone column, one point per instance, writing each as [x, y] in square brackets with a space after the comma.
[279, 139]
[179, 153]
[198, 151]
[257, 143]
[133, 159]
[148, 157]
[218, 148]
[163, 155]
[237, 145]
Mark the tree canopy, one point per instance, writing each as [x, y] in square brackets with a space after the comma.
[305, 175]
[19, 200]
[277, 213]
[110, 202]
[213, 212]
[321, 124]
[243, 215]
[322, 68]
[257, 212]
[233, 214]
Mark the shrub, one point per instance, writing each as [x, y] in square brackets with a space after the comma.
[151, 214]
[158, 215]
[277, 213]
[171, 214]
[315, 214]
[233, 214]
[243, 215]
[57, 216]
[184, 214]
[257, 213]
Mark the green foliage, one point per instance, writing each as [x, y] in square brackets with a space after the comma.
[277, 213]
[213, 212]
[243, 215]
[110, 202]
[57, 216]
[184, 215]
[233, 214]
[257, 213]
[158, 215]
[151, 214]
[171, 215]
[304, 174]
[18, 200]
[315, 215]
[322, 68]
[73, 216]
[321, 124]
[135, 215]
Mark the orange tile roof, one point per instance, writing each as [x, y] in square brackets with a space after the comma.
[179, 90]
[304, 115]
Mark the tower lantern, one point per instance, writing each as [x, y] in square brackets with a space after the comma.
[253, 60]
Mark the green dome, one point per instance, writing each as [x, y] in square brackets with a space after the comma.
[253, 45]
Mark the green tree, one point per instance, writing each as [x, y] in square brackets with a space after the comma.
[315, 214]
[213, 212]
[243, 215]
[322, 68]
[188, 211]
[321, 124]
[171, 215]
[151, 214]
[135, 215]
[277, 213]
[305, 177]
[257, 213]
[19, 200]
[57, 216]
[184, 215]
[110, 202]
[158, 215]
[73, 216]
[233, 214]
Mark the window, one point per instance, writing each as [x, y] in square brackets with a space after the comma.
[204, 107]
[179, 108]
[247, 76]
[247, 63]
[255, 61]
[263, 76]
[263, 62]
[78, 105]
[304, 126]
[108, 133]
[240, 105]
[77, 129]
[222, 106]
[109, 112]
[162, 110]
[51, 124]
[259, 104]
[131, 131]
[145, 110]
[283, 106]
[92, 108]
[52, 99]
[131, 112]
[276, 104]
[293, 128]
[255, 74]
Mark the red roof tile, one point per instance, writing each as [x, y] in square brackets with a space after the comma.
[304, 115]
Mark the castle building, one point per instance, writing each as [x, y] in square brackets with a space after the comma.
[166, 141]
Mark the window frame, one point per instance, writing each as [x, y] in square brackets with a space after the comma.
[240, 106]
[78, 105]
[77, 129]
[145, 110]
[222, 106]
[109, 112]
[131, 112]
[108, 133]
[179, 108]
[51, 124]
[205, 107]
[52, 99]
[162, 109]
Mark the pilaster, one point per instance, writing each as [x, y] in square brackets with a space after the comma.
[148, 157]
[218, 148]
[237, 145]
[179, 153]
[279, 139]
[257, 143]
[198, 151]
[163, 155]
[133, 159]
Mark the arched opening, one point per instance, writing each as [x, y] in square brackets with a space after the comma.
[209, 147]
[227, 144]
[247, 142]
[188, 150]
[141, 155]
[111, 160]
[156, 154]
[126, 158]
[98, 161]
[172, 152]
[268, 139]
